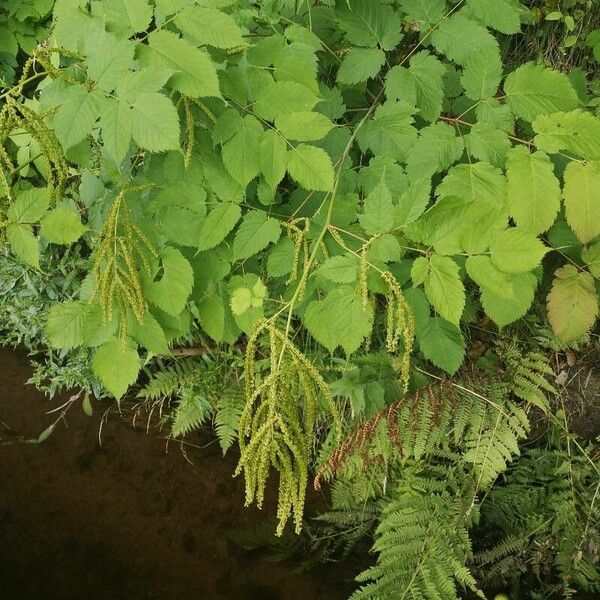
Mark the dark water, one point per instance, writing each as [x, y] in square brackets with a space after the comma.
[125, 520]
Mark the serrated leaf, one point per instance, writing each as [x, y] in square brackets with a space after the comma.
[412, 202]
[360, 64]
[272, 157]
[503, 310]
[209, 26]
[62, 226]
[421, 84]
[76, 115]
[279, 262]
[311, 167]
[488, 144]
[436, 149]
[516, 251]
[501, 15]
[241, 152]
[115, 121]
[149, 334]
[155, 123]
[24, 244]
[340, 319]
[303, 126]
[134, 15]
[377, 211]
[533, 191]
[29, 206]
[171, 292]
[533, 90]
[572, 303]
[580, 194]
[429, 11]
[283, 97]
[481, 75]
[487, 276]
[368, 24]
[444, 288]
[217, 224]
[442, 343]
[576, 132]
[196, 75]
[255, 233]
[117, 366]
[64, 324]
[591, 257]
[108, 59]
[390, 132]
[459, 37]
[339, 269]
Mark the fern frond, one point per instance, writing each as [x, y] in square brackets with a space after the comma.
[229, 408]
[192, 411]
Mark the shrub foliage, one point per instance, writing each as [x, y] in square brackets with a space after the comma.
[339, 187]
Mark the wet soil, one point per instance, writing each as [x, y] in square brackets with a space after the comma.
[126, 520]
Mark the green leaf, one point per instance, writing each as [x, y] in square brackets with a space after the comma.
[378, 209]
[217, 224]
[572, 303]
[279, 262]
[591, 257]
[273, 157]
[241, 300]
[533, 90]
[421, 84]
[241, 152]
[488, 144]
[442, 343]
[303, 126]
[255, 233]
[390, 132]
[481, 75]
[576, 132]
[533, 190]
[311, 167]
[108, 59]
[360, 64]
[116, 365]
[115, 120]
[487, 276]
[24, 244]
[501, 15]
[429, 11]
[412, 202]
[580, 194]
[64, 324]
[76, 115]
[171, 292]
[503, 310]
[283, 97]
[459, 38]
[29, 206]
[62, 226]
[134, 15]
[444, 288]
[155, 123]
[369, 24]
[339, 269]
[209, 26]
[149, 334]
[437, 148]
[514, 250]
[196, 76]
[340, 319]
[216, 320]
